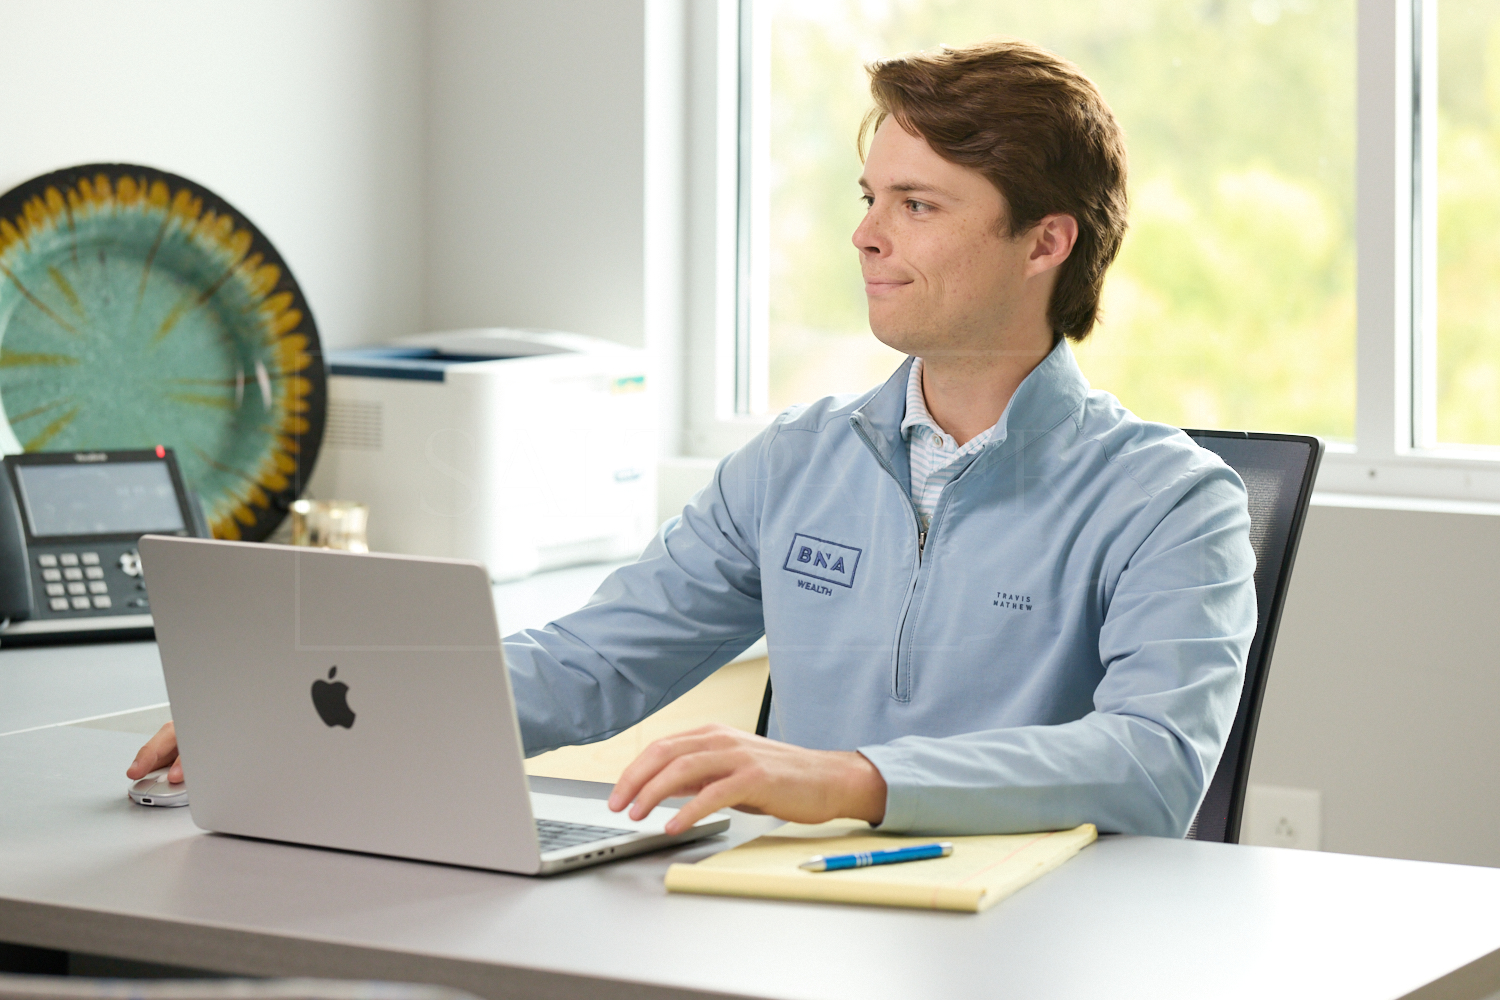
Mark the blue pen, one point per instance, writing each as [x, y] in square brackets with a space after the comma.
[864, 859]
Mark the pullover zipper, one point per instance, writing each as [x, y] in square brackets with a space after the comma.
[921, 545]
[890, 470]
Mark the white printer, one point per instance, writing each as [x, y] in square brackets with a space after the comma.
[525, 450]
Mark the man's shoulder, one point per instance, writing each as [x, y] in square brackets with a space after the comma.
[805, 436]
[808, 428]
[829, 412]
[1157, 458]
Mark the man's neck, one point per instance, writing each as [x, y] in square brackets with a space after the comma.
[965, 395]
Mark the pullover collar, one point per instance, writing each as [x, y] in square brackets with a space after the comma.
[1050, 394]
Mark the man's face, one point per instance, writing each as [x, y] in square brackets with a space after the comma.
[940, 276]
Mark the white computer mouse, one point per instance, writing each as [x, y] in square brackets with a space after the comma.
[155, 790]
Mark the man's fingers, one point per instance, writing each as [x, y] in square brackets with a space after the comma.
[684, 776]
[174, 776]
[656, 757]
[159, 751]
[723, 794]
[640, 770]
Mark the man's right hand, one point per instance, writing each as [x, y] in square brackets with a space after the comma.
[159, 751]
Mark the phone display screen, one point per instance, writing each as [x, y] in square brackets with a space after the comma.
[111, 498]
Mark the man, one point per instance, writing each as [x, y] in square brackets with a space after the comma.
[994, 600]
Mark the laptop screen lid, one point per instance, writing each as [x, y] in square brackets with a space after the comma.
[356, 701]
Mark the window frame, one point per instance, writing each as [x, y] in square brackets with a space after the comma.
[712, 425]
[1394, 454]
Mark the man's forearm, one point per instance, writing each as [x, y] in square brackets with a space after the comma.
[1123, 774]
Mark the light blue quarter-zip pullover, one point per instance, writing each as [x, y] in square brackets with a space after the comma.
[1066, 646]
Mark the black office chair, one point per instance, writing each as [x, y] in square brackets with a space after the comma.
[1278, 470]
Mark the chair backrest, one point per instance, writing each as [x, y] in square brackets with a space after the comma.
[1278, 470]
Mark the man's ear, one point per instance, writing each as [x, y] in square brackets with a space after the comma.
[1052, 241]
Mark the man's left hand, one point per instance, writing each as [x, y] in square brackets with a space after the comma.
[723, 768]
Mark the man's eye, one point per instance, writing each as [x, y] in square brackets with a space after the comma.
[868, 199]
[917, 206]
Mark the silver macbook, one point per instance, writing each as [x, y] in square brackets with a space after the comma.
[362, 702]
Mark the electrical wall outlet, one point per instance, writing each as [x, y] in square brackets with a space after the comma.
[1283, 817]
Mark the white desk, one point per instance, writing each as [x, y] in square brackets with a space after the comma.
[46, 685]
[81, 869]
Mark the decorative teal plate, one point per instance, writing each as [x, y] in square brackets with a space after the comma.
[138, 308]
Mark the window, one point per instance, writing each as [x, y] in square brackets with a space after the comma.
[1314, 202]
[1465, 379]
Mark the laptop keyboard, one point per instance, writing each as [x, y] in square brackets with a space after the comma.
[554, 835]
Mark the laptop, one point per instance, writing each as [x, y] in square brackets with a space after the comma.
[362, 702]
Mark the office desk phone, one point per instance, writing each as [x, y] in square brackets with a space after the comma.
[69, 524]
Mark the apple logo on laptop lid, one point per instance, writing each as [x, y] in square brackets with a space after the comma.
[330, 698]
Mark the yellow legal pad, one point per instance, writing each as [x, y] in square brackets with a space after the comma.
[979, 873]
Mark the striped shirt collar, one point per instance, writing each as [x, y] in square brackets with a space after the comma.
[918, 417]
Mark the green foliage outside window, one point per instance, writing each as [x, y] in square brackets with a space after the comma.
[1468, 227]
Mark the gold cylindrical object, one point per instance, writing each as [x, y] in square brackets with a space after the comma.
[330, 524]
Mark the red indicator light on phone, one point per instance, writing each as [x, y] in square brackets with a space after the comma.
[161, 452]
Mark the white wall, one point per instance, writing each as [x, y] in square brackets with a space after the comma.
[304, 116]
[419, 165]
[536, 166]
[1384, 692]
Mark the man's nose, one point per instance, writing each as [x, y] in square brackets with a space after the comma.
[868, 237]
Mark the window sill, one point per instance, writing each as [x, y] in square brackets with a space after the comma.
[1420, 505]
[1442, 478]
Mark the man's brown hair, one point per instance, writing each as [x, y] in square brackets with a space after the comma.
[1039, 129]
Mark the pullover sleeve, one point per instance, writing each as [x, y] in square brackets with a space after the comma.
[1173, 644]
[655, 628]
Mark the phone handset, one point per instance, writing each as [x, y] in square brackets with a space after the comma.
[15, 568]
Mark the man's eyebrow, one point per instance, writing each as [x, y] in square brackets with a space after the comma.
[908, 186]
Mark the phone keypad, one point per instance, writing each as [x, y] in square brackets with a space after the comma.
[77, 582]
